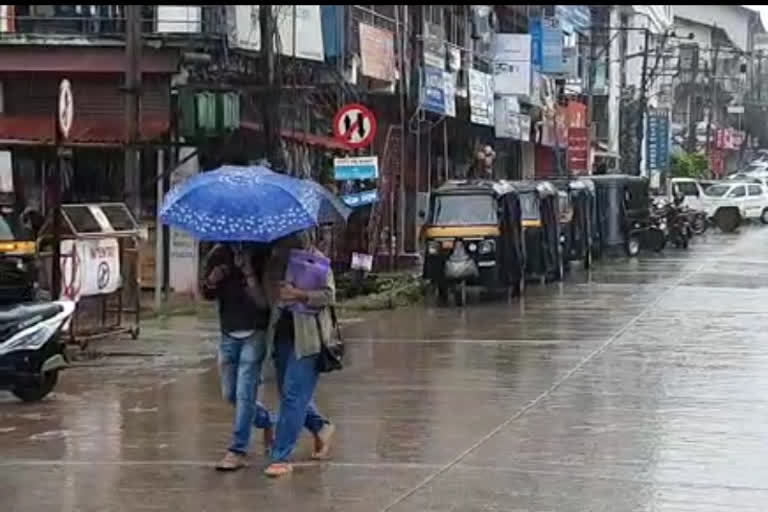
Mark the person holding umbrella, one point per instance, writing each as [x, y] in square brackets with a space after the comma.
[296, 337]
[232, 279]
[254, 204]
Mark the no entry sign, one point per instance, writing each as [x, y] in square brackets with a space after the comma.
[355, 125]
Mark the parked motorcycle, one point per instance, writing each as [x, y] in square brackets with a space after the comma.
[680, 231]
[658, 230]
[31, 354]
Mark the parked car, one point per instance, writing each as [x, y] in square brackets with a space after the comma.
[729, 203]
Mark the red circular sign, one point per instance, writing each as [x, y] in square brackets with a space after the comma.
[355, 126]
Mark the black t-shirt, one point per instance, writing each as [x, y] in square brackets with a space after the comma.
[237, 309]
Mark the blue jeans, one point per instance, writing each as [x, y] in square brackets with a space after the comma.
[240, 363]
[296, 381]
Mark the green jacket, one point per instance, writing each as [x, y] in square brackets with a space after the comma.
[310, 330]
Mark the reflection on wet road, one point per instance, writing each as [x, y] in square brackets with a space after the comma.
[638, 387]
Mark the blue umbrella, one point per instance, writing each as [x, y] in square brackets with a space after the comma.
[249, 204]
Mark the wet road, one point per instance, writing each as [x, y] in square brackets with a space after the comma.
[642, 387]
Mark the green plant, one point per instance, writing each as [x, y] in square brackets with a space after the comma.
[689, 165]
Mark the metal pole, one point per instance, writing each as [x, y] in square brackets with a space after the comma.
[403, 133]
[640, 127]
[712, 98]
[56, 200]
[159, 232]
[132, 177]
[270, 101]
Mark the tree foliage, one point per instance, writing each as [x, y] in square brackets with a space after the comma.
[689, 165]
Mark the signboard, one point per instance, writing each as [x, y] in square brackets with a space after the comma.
[361, 198]
[66, 108]
[433, 92]
[377, 52]
[481, 98]
[510, 123]
[175, 19]
[658, 142]
[449, 88]
[577, 16]
[89, 267]
[307, 39]
[355, 125]
[546, 46]
[356, 168]
[361, 261]
[183, 248]
[512, 64]
[434, 45]
[578, 150]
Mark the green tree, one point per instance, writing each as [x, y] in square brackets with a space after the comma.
[690, 165]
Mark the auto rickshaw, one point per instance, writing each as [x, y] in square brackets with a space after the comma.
[577, 208]
[18, 259]
[623, 212]
[541, 230]
[472, 236]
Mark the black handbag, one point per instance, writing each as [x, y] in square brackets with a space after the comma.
[331, 357]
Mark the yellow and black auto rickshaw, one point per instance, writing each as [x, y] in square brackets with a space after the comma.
[577, 205]
[18, 259]
[472, 236]
[539, 204]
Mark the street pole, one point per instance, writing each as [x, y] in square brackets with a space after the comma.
[270, 99]
[591, 66]
[640, 127]
[132, 178]
[713, 98]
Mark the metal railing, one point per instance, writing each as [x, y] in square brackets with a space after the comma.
[108, 21]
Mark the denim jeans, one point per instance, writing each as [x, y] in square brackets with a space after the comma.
[296, 380]
[240, 362]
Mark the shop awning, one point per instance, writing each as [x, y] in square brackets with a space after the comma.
[321, 141]
[95, 130]
[82, 59]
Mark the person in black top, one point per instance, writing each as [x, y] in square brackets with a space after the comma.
[233, 279]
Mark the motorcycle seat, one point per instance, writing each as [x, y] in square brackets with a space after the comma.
[18, 314]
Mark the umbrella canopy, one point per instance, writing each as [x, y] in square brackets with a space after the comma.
[249, 204]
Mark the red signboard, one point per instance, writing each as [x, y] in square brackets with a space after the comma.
[578, 150]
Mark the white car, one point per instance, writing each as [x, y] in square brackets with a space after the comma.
[730, 202]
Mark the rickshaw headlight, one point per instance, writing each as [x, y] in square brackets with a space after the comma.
[433, 247]
[487, 246]
[472, 247]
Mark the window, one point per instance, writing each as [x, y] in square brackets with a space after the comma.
[687, 188]
[529, 206]
[755, 190]
[739, 191]
[717, 190]
[464, 210]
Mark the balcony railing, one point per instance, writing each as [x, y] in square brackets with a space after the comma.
[107, 21]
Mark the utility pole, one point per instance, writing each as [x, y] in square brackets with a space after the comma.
[713, 96]
[591, 66]
[132, 177]
[643, 104]
[270, 99]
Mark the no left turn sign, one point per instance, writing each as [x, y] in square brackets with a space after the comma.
[66, 108]
[355, 125]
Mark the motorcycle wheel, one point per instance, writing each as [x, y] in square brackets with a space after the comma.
[699, 225]
[34, 392]
[632, 246]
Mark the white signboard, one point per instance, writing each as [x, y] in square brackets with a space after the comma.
[183, 250]
[512, 64]
[90, 267]
[176, 19]
[481, 97]
[306, 35]
[66, 107]
[449, 89]
[361, 261]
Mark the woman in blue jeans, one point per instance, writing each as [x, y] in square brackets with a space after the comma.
[296, 339]
[231, 279]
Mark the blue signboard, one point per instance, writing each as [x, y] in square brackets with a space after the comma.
[361, 198]
[433, 91]
[546, 46]
[658, 142]
[356, 168]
